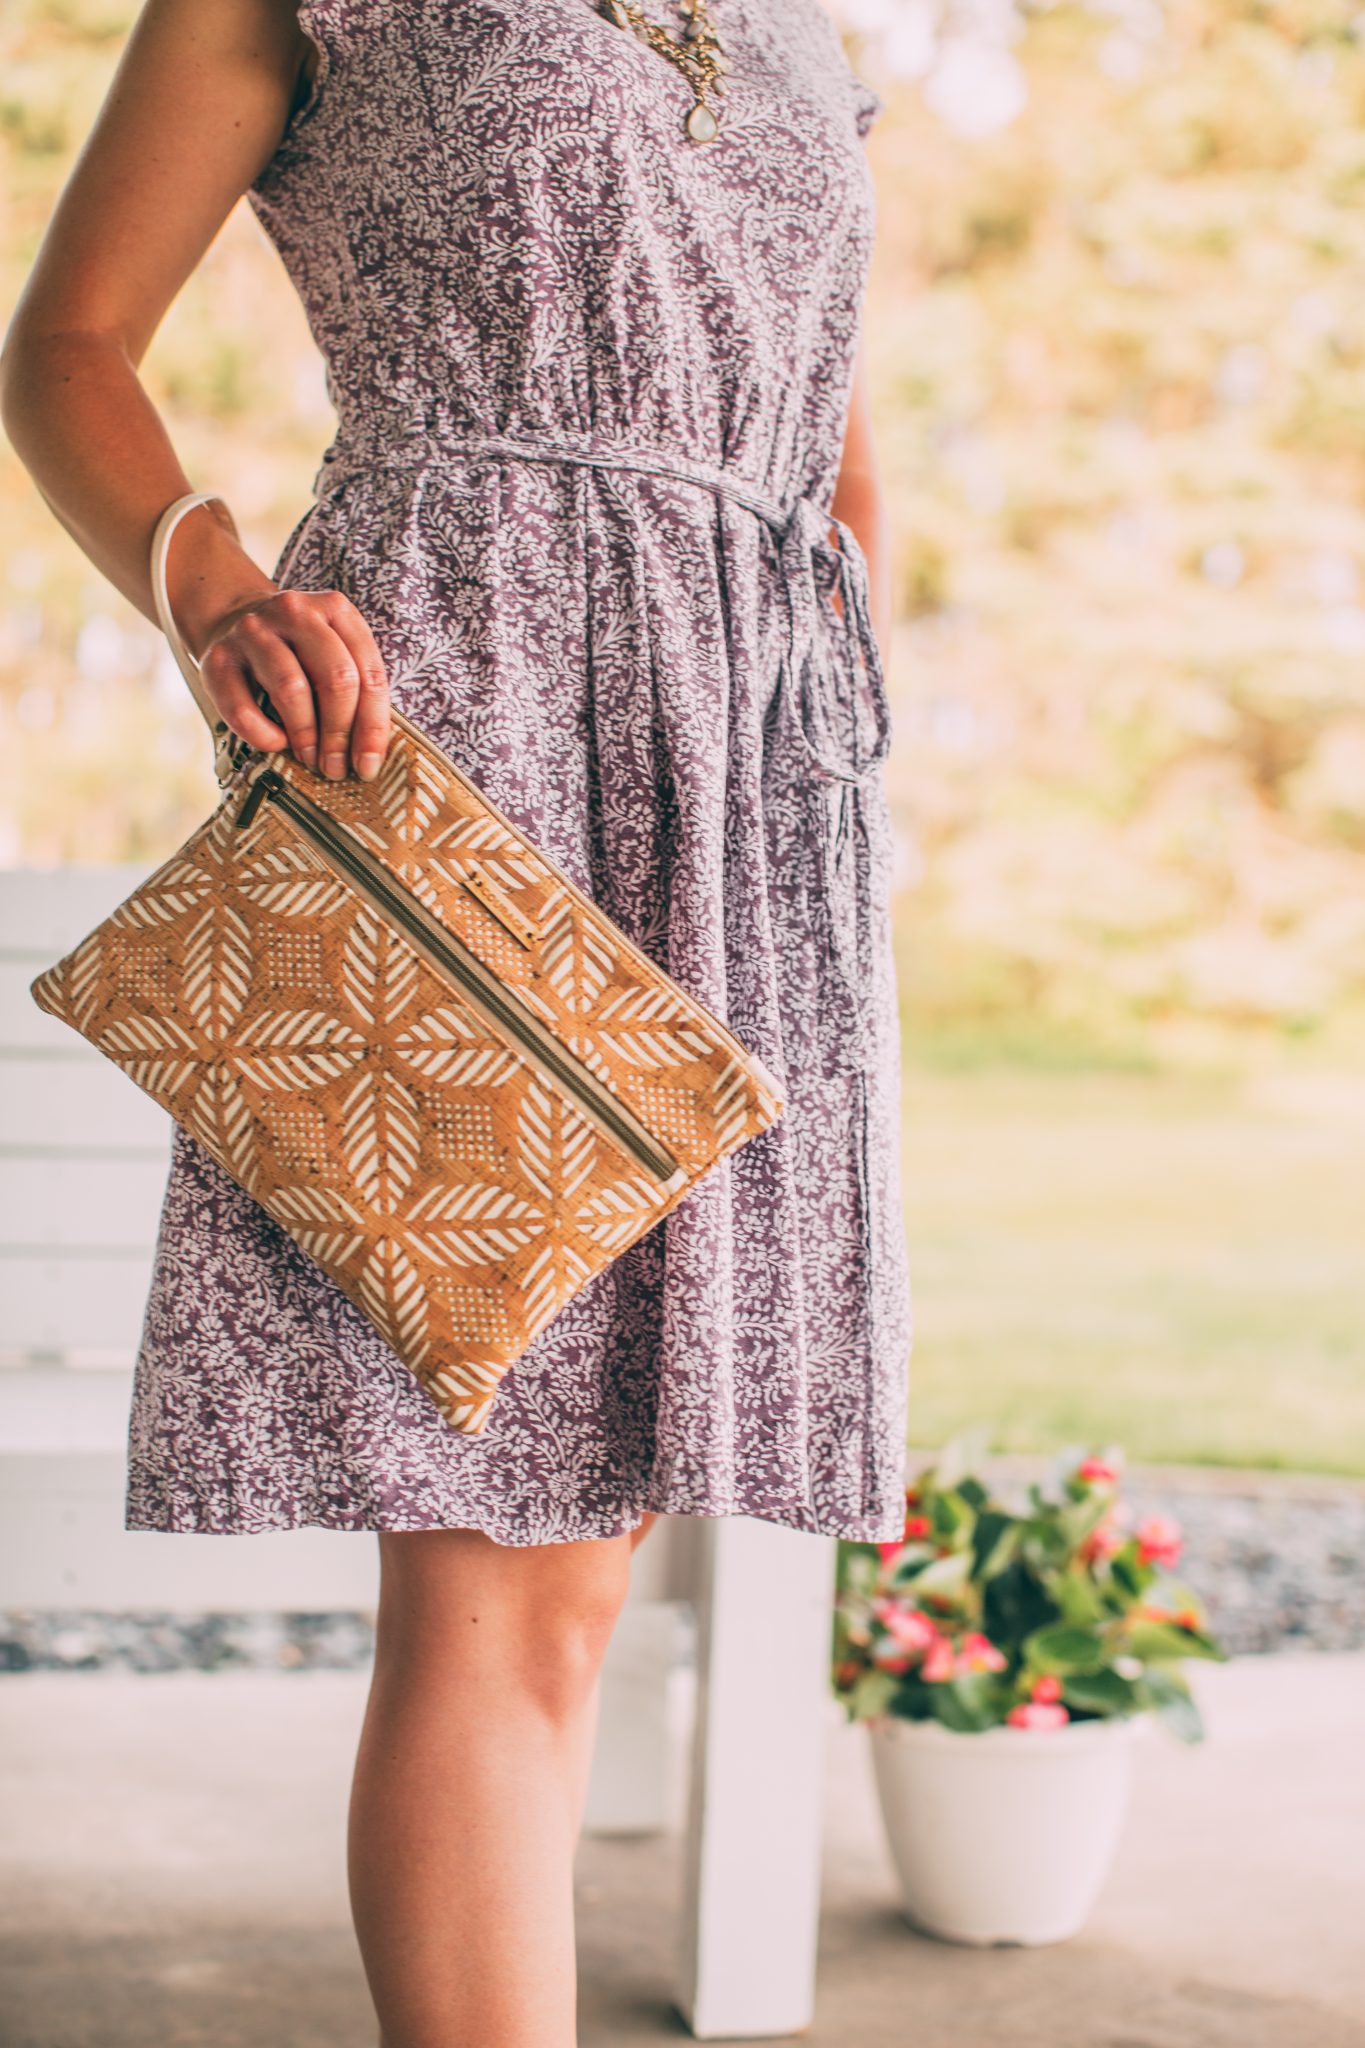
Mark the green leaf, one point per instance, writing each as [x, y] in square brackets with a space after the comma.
[872, 1695]
[1155, 1643]
[1167, 1692]
[1079, 1601]
[1015, 1604]
[1062, 1649]
[951, 1517]
[1126, 1573]
[1100, 1692]
[969, 1703]
[993, 1541]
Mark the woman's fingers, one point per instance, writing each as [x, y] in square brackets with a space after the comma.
[277, 669]
[316, 659]
[371, 726]
[227, 684]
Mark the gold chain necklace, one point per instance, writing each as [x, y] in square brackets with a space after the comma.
[700, 56]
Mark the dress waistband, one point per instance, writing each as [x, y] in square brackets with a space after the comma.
[832, 658]
[370, 450]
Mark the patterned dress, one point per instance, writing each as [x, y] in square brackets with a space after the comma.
[591, 379]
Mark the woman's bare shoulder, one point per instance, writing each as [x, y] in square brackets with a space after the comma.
[200, 95]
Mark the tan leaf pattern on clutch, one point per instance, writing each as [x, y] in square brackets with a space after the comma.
[303, 1050]
[217, 966]
[219, 1116]
[321, 1220]
[379, 978]
[391, 1292]
[183, 884]
[83, 982]
[381, 1137]
[578, 966]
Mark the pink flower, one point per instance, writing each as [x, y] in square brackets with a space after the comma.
[889, 1551]
[911, 1629]
[1037, 1714]
[1047, 1689]
[939, 1661]
[1158, 1540]
[979, 1653]
[916, 1526]
[1097, 1472]
[889, 1655]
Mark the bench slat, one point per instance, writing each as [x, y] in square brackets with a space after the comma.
[58, 1306]
[78, 1106]
[63, 1545]
[46, 911]
[106, 1205]
[61, 1408]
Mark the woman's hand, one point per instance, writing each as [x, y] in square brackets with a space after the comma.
[312, 655]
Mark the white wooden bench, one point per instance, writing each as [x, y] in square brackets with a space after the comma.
[83, 1159]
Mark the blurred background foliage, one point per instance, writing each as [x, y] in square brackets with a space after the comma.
[1117, 333]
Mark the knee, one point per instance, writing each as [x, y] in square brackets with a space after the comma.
[557, 1655]
[530, 1624]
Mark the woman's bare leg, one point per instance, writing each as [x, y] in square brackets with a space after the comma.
[469, 1783]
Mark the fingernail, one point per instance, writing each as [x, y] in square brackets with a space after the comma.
[309, 757]
[335, 764]
[367, 766]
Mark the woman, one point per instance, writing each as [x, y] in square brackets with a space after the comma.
[602, 441]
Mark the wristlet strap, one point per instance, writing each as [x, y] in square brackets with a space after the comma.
[223, 737]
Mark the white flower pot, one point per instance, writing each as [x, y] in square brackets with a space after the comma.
[1003, 1836]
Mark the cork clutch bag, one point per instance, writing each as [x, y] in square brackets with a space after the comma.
[443, 1070]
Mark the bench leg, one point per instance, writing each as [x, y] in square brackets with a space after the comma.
[750, 1912]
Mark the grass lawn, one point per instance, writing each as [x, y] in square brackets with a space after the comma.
[1174, 1264]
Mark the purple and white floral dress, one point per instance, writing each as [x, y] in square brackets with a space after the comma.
[591, 380]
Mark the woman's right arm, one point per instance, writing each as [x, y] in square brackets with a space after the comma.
[201, 94]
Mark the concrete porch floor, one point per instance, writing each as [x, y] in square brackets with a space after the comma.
[172, 1874]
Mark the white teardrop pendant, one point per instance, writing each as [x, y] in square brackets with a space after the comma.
[702, 124]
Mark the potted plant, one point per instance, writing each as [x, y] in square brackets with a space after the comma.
[1003, 1660]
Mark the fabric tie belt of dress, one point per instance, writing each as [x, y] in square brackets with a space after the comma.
[833, 690]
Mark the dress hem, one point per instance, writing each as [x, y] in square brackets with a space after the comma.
[864, 1529]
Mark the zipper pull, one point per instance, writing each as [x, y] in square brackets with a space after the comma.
[264, 781]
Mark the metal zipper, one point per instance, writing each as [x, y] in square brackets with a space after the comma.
[498, 1004]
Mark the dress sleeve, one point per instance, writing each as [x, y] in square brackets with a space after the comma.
[319, 21]
[314, 19]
